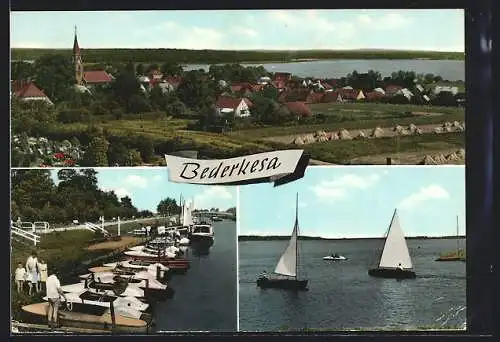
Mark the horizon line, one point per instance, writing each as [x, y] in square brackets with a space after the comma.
[247, 50]
[353, 237]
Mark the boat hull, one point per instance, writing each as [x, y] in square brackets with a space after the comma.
[450, 259]
[284, 284]
[334, 259]
[201, 240]
[100, 320]
[391, 273]
[176, 266]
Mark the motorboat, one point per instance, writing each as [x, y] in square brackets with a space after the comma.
[202, 233]
[334, 257]
[130, 291]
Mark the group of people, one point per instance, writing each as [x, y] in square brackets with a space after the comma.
[34, 273]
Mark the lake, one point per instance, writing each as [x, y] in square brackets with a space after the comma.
[452, 70]
[205, 297]
[341, 294]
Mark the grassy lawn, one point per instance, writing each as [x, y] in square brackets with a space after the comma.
[379, 108]
[342, 151]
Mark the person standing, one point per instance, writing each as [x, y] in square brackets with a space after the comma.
[32, 269]
[54, 293]
[42, 267]
[20, 277]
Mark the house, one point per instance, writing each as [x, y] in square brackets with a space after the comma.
[280, 85]
[282, 76]
[28, 91]
[331, 96]
[97, 77]
[244, 88]
[351, 94]
[239, 106]
[391, 89]
[156, 75]
[264, 80]
[299, 109]
[301, 95]
[438, 89]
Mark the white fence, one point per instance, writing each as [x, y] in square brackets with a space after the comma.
[94, 227]
[25, 234]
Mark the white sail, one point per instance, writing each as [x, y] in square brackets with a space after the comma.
[288, 262]
[187, 217]
[395, 249]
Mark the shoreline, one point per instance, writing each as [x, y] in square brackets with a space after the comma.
[318, 238]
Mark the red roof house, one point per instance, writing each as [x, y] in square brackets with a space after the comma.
[391, 89]
[239, 106]
[97, 77]
[374, 96]
[331, 96]
[351, 94]
[28, 91]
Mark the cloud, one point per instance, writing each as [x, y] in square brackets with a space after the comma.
[431, 192]
[136, 181]
[338, 188]
[212, 197]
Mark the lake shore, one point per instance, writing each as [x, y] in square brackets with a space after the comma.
[184, 56]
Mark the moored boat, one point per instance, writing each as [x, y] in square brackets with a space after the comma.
[90, 317]
[334, 257]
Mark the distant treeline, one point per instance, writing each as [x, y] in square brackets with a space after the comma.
[223, 56]
[282, 237]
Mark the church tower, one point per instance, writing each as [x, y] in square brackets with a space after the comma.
[77, 60]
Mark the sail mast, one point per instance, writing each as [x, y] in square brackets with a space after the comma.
[297, 228]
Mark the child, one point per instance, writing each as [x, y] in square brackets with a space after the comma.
[20, 277]
[42, 267]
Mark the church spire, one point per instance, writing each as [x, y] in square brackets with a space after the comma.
[76, 47]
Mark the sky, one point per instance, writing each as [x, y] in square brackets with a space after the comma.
[436, 30]
[148, 186]
[350, 201]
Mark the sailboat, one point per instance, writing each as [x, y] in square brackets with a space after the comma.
[286, 272]
[395, 261]
[454, 256]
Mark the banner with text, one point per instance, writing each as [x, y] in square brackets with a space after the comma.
[280, 167]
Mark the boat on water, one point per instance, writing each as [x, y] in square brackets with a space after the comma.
[334, 257]
[112, 289]
[202, 234]
[88, 316]
[175, 265]
[457, 255]
[395, 260]
[286, 273]
[216, 219]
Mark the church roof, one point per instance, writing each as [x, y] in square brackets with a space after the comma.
[97, 76]
[76, 47]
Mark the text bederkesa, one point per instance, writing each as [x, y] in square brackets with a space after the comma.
[192, 170]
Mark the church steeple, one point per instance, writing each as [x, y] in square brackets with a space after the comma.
[76, 47]
[77, 60]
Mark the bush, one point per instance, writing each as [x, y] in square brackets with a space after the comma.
[74, 115]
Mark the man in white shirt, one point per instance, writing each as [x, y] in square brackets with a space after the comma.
[54, 293]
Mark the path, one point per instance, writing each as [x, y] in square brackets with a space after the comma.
[114, 245]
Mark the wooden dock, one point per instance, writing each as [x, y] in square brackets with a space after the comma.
[31, 328]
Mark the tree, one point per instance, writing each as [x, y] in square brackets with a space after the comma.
[21, 71]
[96, 154]
[167, 207]
[125, 86]
[54, 74]
[194, 92]
[31, 117]
[146, 149]
[171, 69]
[139, 69]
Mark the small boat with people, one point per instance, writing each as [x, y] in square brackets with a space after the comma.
[395, 260]
[286, 273]
[334, 257]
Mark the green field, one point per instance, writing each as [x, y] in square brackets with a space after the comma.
[219, 56]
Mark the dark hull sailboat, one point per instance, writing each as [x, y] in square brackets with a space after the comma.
[285, 284]
[287, 267]
[392, 273]
[458, 255]
[395, 261]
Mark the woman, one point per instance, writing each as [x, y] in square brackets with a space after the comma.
[42, 267]
[32, 270]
